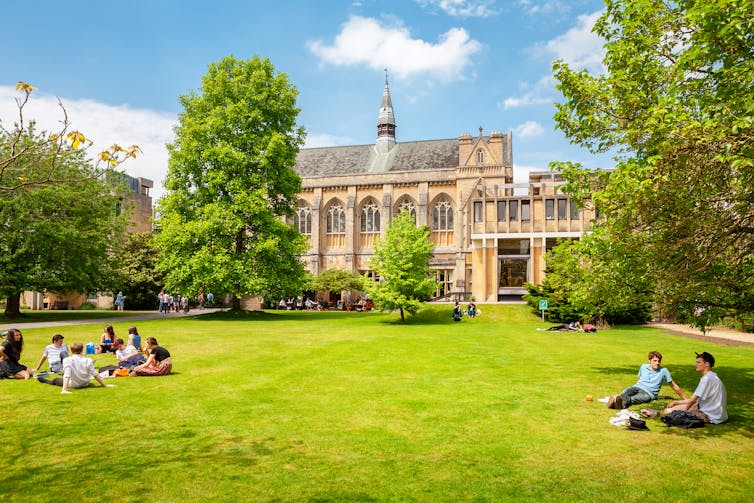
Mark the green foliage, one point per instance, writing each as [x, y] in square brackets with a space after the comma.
[61, 236]
[594, 281]
[336, 280]
[676, 102]
[401, 262]
[231, 184]
[138, 263]
[320, 406]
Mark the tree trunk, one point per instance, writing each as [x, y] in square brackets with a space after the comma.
[236, 302]
[403, 319]
[13, 305]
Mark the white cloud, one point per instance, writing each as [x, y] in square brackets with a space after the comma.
[314, 140]
[366, 41]
[544, 7]
[579, 47]
[541, 92]
[529, 129]
[105, 125]
[462, 8]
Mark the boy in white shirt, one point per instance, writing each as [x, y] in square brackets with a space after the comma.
[77, 371]
[54, 354]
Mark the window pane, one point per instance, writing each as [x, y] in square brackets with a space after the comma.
[549, 209]
[524, 210]
[477, 211]
[501, 211]
[562, 209]
[574, 210]
[450, 219]
[514, 210]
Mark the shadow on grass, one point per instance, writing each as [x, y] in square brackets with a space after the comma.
[423, 317]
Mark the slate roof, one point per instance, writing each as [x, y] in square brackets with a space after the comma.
[430, 155]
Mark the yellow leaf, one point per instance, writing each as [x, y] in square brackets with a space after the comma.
[24, 87]
[76, 138]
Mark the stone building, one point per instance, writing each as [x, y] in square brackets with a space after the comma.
[490, 234]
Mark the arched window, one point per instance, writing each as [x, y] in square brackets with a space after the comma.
[336, 219]
[480, 156]
[370, 217]
[406, 204]
[442, 215]
[302, 220]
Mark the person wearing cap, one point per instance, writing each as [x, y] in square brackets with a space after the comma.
[709, 402]
[651, 376]
[54, 353]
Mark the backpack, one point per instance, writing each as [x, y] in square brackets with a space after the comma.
[683, 419]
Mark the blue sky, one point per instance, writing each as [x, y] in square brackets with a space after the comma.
[454, 65]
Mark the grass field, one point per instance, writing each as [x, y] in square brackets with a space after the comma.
[300, 406]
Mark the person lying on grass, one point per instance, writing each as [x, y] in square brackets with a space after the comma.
[158, 363]
[77, 371]
[651, 376]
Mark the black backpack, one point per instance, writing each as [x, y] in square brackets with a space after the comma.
[683, 419]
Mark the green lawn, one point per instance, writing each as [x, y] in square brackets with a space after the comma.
[355, 407]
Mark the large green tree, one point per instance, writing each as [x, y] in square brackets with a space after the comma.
[61, 236]
[401, 262]
[676, 102]
[231, 184]
[60, 218]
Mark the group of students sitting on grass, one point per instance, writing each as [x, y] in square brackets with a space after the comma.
[77, 370]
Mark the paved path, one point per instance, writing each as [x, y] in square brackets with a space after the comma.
[715, 334]
[137, 316]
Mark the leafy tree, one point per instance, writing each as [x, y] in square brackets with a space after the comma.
[137, 266]
[336, 280]
[59, 237]
[231, 184]
[58, 209]
[401, 262]
[676, 102]
[595, 281]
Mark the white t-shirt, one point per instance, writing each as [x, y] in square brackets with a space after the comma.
[55, 354]
[79, 369]
[125, 353]
[712, 398]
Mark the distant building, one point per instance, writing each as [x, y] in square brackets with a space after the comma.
[490, 234]
[139, 202]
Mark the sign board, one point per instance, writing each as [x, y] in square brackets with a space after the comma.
[543, 305]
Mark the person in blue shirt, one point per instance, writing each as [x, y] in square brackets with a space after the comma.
[651, 377]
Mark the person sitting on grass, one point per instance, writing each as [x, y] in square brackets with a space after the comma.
[54, 353]
[471, 309]
[709, 402]
[107, 339]
[77, 372]
[456, 314]
[651, 376]
[134, 339]
[10, 353]
[158, 363]
[127, 355]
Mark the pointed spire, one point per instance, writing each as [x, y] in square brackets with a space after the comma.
[386, 121]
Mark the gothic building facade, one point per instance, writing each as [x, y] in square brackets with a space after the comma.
[490, 234]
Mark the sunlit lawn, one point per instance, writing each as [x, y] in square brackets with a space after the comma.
[356, 407]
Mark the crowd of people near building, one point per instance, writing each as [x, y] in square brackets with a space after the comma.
[70, 369]
[174, 303]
